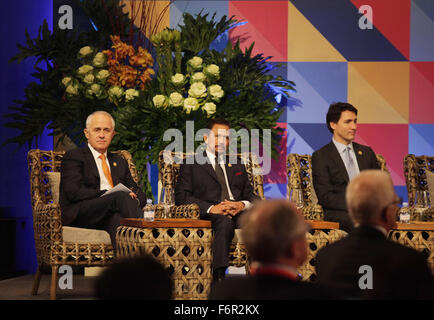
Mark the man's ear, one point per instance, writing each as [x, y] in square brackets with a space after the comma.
[333, 125]
[86, 133]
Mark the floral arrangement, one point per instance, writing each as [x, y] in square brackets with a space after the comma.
[114, 74]
[196, 79]
[197, 90]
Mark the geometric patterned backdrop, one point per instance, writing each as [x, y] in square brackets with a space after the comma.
[387, 72]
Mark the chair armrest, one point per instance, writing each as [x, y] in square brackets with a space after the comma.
[313, 212]
[418, 213]
[47, 222]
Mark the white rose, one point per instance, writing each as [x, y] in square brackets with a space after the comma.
[89, 78]
[103, 75]
[159, 100]
[72, 90]
[195, 62]
[99, 60]
[198, 77]
[213, 70]
[130, 94]
[210, 108]
[190, 104]
[85, 51]
[178, 79]
[197, 90]
[216, 91]
[66, 81]
[176, 99]
[95, 89]
[115, 91]
[85, 69]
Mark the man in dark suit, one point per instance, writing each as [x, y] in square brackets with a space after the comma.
[88, 173]
[365, 264]
[335, 164]
[220, 188]
[274, 233]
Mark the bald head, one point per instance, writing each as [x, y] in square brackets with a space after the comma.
[368, 195]
[270, 227]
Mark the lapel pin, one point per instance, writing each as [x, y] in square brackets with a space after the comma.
[229, 165]
[360, 152]
[115, 164]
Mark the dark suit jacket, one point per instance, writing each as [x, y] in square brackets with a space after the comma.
[80, 180]
[398, 271]
[330, 177]
[266, 287]
[197, 183]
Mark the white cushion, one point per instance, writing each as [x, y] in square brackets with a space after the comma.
[83, 235]
[54, 181]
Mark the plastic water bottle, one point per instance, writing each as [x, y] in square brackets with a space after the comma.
[148, 213]
[404, 217]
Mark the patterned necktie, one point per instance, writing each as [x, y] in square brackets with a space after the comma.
[351, 167]
[221, 179]
[106, 169]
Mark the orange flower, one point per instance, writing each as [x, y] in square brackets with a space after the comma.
[128, 76]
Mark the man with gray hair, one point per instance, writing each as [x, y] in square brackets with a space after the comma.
[88, 173]
[365, 264]
[274, 233]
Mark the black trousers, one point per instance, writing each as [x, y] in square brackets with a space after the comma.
[224, 230]
[105, 213]
[340, 216]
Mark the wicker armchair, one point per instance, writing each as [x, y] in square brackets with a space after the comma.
[415, 178]
[55, 244]
[167, 177]
[300, 185]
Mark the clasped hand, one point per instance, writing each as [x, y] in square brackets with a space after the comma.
[228, 208]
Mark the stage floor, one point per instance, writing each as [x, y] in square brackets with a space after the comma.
[19, 288]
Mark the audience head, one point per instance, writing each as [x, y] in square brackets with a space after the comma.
[342, 121]
[371, 199]
[274, 231]
[217, 140]
[100, 130]
[134, 278]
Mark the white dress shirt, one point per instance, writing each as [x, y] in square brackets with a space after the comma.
[104, 184]
[341, 149]
[212, 157]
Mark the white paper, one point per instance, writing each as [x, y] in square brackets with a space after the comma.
[118, 187]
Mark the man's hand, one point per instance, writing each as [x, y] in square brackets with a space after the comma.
[234, 208]
[221, 208]
[133, 195]
[227, 208]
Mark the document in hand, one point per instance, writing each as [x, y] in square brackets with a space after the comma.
[118, 187]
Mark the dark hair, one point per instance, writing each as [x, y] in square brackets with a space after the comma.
[335, 110]
[134, 278]
[213, 122]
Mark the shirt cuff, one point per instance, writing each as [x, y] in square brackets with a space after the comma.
[207, 211]
[247, 204]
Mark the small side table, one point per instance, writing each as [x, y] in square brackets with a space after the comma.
[183, 246]
[418, 235]
[322, 233]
